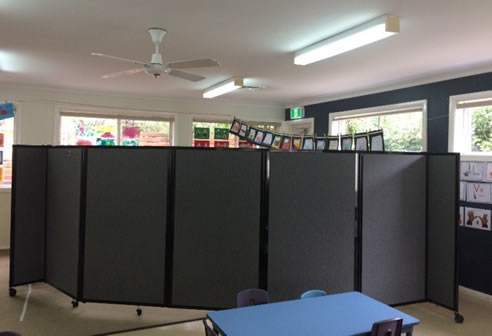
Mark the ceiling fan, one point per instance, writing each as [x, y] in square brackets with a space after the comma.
[156, 68]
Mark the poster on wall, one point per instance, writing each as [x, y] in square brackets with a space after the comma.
[471, 171]
[245, 144]
[461, 220]
[201, 143]
[488, 171]
[221, 133]
[221, 144]
[462, 191]
[477, 218]
[478, 192]
[202, 133]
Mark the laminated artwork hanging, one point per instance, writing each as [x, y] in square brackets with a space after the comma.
[267, 140]
[346, 142]
[333, 142]
[259, 137]
[320, 144]
[307, 143]
[286, 142]
[251, 134]
[243, 130]
[277, 141]
[477, 218]
[376, 141]
[235, 127]
[361, 143]
[296, 142]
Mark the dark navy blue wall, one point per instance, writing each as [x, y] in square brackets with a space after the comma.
[437, 96]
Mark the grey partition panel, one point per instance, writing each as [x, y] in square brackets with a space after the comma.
[63, 218]
[442, 221]
[125, 230]
[217, 226]
[28, 215]
[393, 227]
[311, 224]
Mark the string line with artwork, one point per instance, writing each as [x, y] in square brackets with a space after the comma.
[476, 187]
[367, 141]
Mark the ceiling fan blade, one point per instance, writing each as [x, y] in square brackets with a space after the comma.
[122, 73]
[118, 58]
[185, 75]
[198, 63]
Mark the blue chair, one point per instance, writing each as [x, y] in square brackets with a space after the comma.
[252, 297]
[313, 293]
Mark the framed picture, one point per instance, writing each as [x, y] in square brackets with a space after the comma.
[477, 218]
[251, 134]
[267, 139]
[307, 143]
[461, 220]
[471, 171]
[478, 192]
[462, 191]
[347, 142]
[361, 143]
[320, 144]
[259, 137]
[277, 141]
[243, 130]
[235, 127]
[488, 172]
[296, 142]
[286, 142]
[333, 143]
[376, 141]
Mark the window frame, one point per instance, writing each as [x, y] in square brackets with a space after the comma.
[88, 112]
[453, 146]
[386, 109]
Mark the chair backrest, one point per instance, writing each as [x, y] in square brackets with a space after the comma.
[252, 297]
[391, 327]
[313, 293]
[209, 331]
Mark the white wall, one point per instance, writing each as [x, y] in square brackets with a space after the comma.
[37, 119]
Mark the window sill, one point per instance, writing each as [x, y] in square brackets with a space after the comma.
[476, 157]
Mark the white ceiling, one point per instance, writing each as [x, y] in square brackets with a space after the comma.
[48, 43]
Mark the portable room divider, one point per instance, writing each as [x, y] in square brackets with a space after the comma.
[190, 227]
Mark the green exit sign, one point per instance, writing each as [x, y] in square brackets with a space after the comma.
[295, 112]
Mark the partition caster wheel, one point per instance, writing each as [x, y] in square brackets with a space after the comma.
[458, 318]
[75, 303]
[12, 292]
[139, 311]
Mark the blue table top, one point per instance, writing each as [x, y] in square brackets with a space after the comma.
[349, 313]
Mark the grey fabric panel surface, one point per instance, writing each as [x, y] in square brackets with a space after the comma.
[441, 253]
[28, 215]
[126, 225]
[217, 226]
[63, 216]
[393, 227]
[311, 226]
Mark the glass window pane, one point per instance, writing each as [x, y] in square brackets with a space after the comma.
[481, 129]
[6, 142]
[145, 132]
[88, 131]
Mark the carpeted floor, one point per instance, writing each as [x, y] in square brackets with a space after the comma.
[50, 313]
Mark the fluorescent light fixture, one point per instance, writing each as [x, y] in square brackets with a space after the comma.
[222, 88]
[356, 37]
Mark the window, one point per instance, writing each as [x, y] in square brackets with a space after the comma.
[471, 125]
[6, 142]
[112, 131]
[404, 125]
[216, 134]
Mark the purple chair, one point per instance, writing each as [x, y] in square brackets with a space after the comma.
[391, 327]
[209, 331]
[313, 293]
[252, 297]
